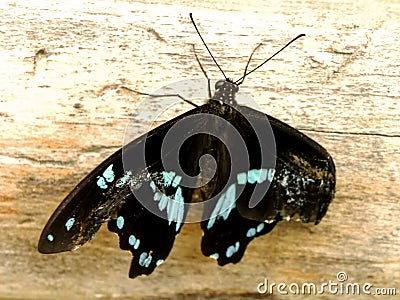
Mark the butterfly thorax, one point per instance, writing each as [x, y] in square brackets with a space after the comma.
[225, 91]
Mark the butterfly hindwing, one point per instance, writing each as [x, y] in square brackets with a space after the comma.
[227, 240]
[147, 235]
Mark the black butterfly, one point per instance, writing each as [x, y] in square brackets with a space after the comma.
[282, 174]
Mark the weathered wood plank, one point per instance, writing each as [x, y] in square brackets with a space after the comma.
[60, 117]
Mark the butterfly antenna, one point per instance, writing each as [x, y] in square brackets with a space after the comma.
[198, 32]
[256, 68]
[204, 71]
[247, 65]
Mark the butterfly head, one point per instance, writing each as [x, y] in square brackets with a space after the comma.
[225, 91]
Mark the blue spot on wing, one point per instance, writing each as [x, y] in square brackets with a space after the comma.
[120, 222]
[69, 223]
[251, 232]
[101, 183]
[145, 260]
[109, 174]
[231, 250]
[168, 177]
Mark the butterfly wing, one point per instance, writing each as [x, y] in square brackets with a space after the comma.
[304, 178]
[111, 192]
[226, 239]
[301, 182]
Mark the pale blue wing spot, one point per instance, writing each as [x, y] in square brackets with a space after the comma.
[230, 251]
[109, 174]
[237, 245]
[124, 179]
[132, 240]
[147, 261]
[153, 186]
[101, 183]
[176, 181]
[242, 178]
[271, 174]
[216, 211]
[260, 227]
[142, 258]
[253, 175]
[175, 208]
[157, 196]
[180, 206]
[224, 206]
[159, 262]
[263, 176]
[69, 223]
[137, 243]
[214, 256]
[211, 222]
[251, 232]
[120, 222]
[50, 238]
[167, 177]
[229, 201]
[163, 202]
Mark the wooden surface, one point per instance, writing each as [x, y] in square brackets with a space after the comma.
[61, 115]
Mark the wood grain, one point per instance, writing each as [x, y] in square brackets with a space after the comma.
[61, 114]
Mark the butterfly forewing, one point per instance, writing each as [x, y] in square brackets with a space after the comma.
[102, 194]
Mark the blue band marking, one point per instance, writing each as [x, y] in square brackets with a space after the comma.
[224, 206]
[176, 181]
[167, 177]
[50, 238]
[176, 208]
[260, 227]
[271, 174]
[157, 196]
[256, 175]
[242, 178]
[153, 186]
[174, 205]
[120, 222]
[69, 223]
[163, 202]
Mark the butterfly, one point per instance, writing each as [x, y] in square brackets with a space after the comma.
[246, 169]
